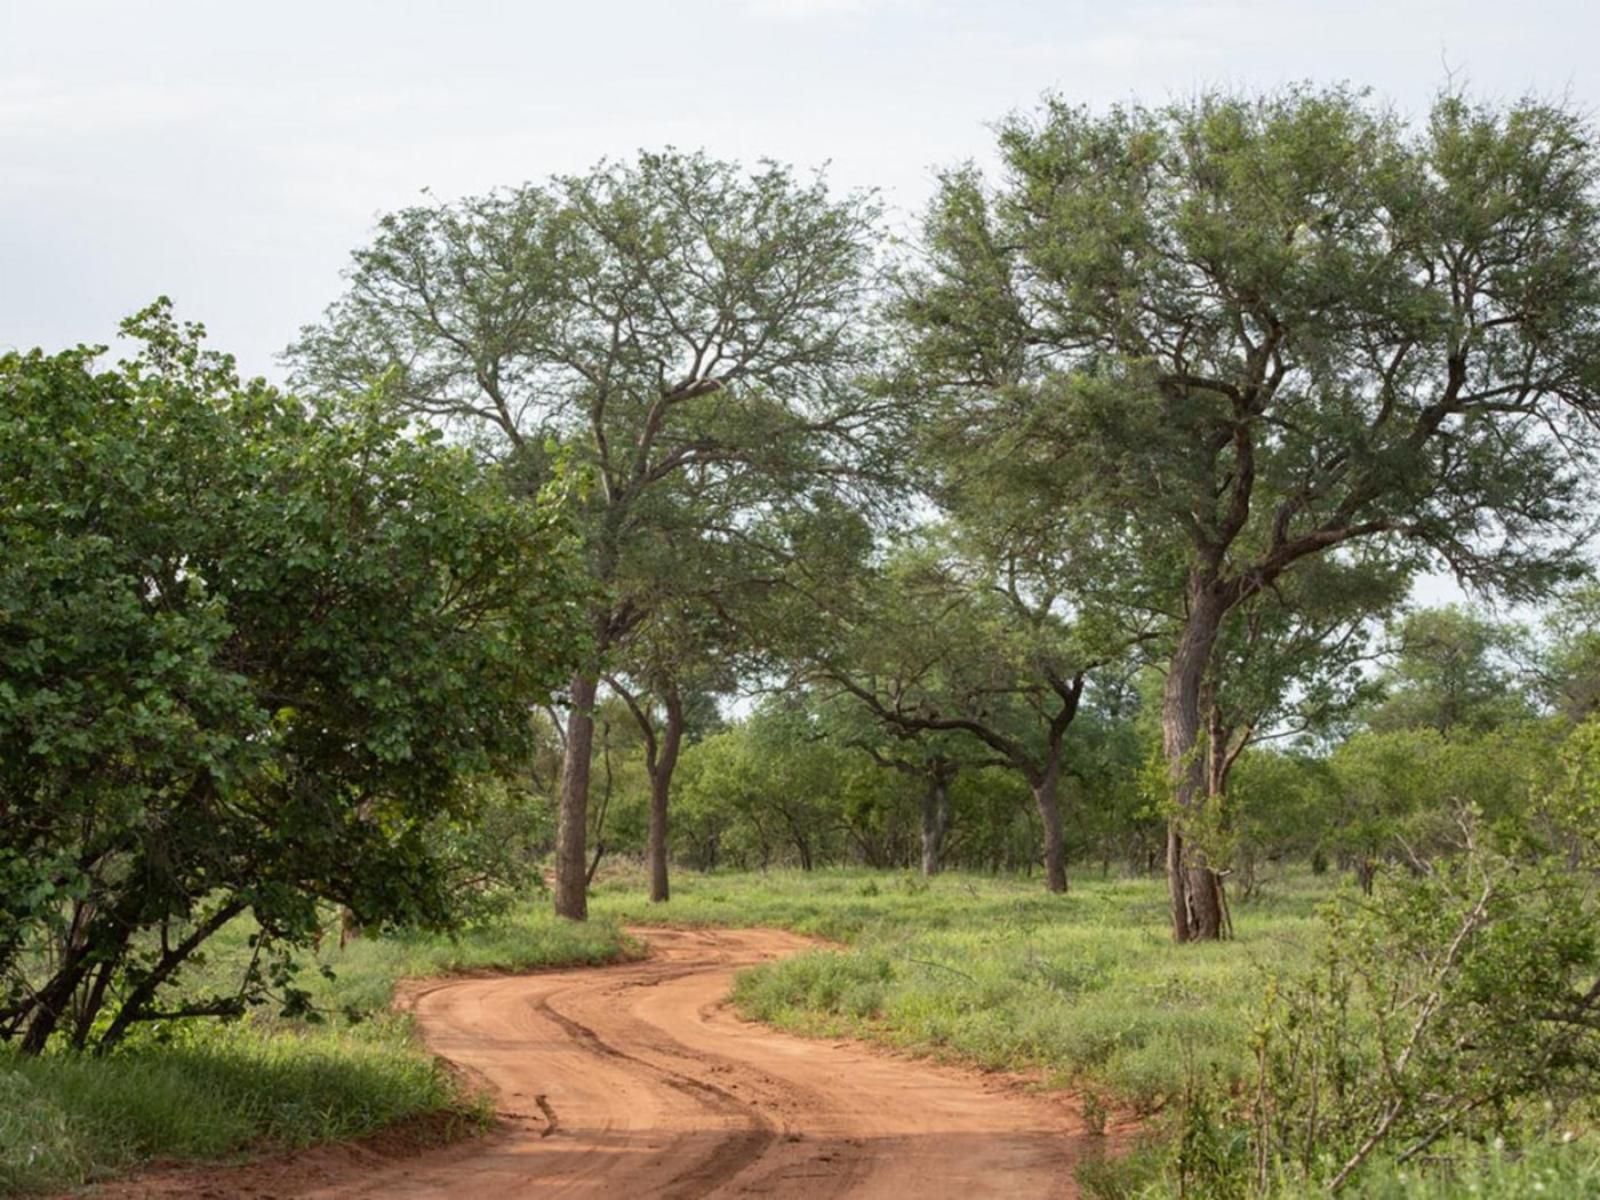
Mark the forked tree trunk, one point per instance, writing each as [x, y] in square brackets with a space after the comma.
[1045, 788]
[935, 819]
[572, 822]
[666, 761]
[1195, 889]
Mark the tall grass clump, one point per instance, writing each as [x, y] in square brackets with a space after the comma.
[68, 1118]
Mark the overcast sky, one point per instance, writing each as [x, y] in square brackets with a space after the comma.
[231, 155]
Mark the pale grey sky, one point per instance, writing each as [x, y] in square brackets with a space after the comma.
[231, 155]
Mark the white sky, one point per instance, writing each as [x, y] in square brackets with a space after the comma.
[231, 155]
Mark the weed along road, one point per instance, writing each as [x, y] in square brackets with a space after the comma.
[636, 1081]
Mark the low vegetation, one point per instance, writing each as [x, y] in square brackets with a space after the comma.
[347, 1066]
[210, 1093]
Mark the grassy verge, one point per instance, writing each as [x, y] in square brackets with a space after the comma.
[202, 1090]
[1086, 987]
[1456, 1172]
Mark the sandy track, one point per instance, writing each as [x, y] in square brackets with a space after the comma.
[637, 1081]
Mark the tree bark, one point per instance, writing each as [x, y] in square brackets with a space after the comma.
[1195, 889]
[666, 761]
[1045, 788]
[142, 996]
[97, 934]
[52, 1001]
[572, 869]
[935, 818]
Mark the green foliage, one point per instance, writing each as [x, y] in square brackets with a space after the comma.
[1567, 671]
[1569, 815]
[1452, 675]
[680, 332]
[1393, 795]
[1458, 1004]
[254, 652]
[790, 785]
[770, 791]
[1278, 809]
[1240, 330]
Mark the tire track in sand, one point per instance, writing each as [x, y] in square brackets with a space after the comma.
[636, 1081]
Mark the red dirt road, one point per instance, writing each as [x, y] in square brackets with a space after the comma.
[637, 1081]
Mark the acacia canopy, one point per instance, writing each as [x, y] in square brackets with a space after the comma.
[1242, 332]
[687, 335]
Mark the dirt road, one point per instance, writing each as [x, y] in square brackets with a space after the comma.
[637, 1081]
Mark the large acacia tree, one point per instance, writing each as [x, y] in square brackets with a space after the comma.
[685, 334]
[1248, 331]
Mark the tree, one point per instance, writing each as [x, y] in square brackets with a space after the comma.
[1289, 667]
[929, 761]
[668, 322]
[1567, 669]
[1452, 673]
[679, 656]
[255, 653]
[768, 788]
[940, 644]
[1249, 332]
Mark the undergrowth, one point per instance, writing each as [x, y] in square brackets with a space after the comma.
[208, 1090]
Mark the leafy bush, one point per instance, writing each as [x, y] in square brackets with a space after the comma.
[254, 654]
[1456, 1007]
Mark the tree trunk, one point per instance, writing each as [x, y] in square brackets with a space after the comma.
[572, 889]
[660, 791]
[51, 1005]
[144, 994]
[935, 819]
[1049, 804]
[1195, 889]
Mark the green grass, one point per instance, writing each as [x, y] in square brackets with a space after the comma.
[1559, 1171]
[1087, 988]
[204, 1090]
[65, 1118]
